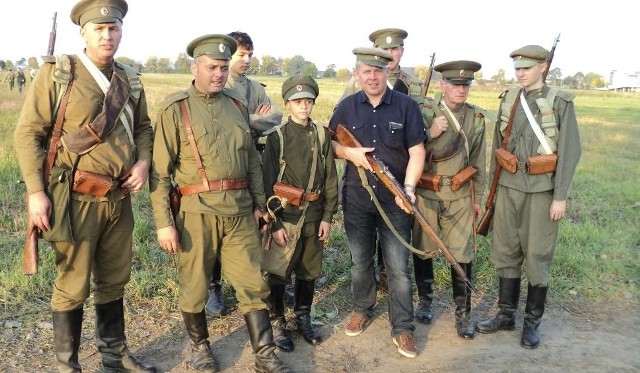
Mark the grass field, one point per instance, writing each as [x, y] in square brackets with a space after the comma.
[598, 250]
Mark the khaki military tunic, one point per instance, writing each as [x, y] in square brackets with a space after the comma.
[214, 223]
[522, 229]
[450, 213]
[255, 95]
[299, 144]
[97, 236]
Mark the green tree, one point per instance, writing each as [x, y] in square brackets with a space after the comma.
[164, 65]
[422, 71]
[330, 72]
[500, 77]
[33, 63]
[183, 63]
[269, 65]
[579, 81]
[594, 80]
[129, 61]
[152, 64]
[254, 67]
[343, 73]
[293, 66]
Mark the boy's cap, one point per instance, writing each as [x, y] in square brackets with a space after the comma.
[217, 46]
[98, 11]
[528, 56]
[300, 86]
[373, 56]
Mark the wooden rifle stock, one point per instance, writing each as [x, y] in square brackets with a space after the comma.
[345, 138]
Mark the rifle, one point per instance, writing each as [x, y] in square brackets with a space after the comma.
[552, 52]
[345, 138]
[31, 256]
[52, 36]
[427, 79]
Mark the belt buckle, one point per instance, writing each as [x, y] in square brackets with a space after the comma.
[445, 181]
[521, 166]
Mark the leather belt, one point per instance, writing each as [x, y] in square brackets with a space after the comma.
[217, 185]
[445, 181]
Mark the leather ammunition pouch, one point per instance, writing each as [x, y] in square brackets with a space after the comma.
[429, 181]
[294, 195]
[462, 177]
[541, 164]
[91, 183]
[506, 160]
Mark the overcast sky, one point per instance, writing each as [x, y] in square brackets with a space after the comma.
[596, 39]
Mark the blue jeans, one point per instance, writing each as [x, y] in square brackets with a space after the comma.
[361, 227]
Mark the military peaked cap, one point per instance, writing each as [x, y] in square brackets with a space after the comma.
[373, 56]
[299, 86]
[528, 56]
[458, 72]
[388, 38]
[98, 11]
[217, 46]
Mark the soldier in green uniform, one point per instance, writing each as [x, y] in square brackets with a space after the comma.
[84, 207]
[530, 202]
[456, 151]
[391, 40]
[299, 154]
[263, 116]
[21, 79]
[10, 78]
[217, 170]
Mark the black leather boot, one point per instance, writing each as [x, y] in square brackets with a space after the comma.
[261, 338]
[534, 309]
[462, 299]
[201, 356]
[215, 304]
[67, 328]
[423, 272]
[508, 297]
[111, 341]
[302, 310]
[281, 335]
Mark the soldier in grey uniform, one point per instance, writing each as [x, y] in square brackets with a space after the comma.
[529, 205]
[299, 154]
[220, 179]
[107, 136]
[456, 151]
[263, 116]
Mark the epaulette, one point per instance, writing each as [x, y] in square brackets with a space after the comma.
[234, 94]
[128, 69]
[567, 96]
[173, 98]
[503, 93]
[481, 112]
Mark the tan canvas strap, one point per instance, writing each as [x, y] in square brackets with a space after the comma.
[534, 125]
[57, 128]
[458, 127]
[194, 148]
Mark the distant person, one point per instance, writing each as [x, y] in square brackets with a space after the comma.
[10, 78]
[263, 116]
[298, 156]
[218, 173]
[83, 205]
[389, 126]
[452, 184]
[21, 79]
[32, 74]
[531, 199]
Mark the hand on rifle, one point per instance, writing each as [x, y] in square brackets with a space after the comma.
[358, 156]
[400, 202]
[40, 210]
[280, 236]
[168, 239]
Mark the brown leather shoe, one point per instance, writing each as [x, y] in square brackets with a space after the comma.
[405, 345]
[356, 324]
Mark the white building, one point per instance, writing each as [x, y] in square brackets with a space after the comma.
[624, 82]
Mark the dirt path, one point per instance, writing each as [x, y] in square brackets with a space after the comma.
[596, 339]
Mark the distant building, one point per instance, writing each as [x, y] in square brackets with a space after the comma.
[624, 82]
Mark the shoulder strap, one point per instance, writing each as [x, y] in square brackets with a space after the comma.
[61, 108]
[192, 141]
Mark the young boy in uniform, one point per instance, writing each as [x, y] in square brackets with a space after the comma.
[298, 159]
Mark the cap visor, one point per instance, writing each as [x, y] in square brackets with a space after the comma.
[519, 64]
[459, 81]
[299, 95]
